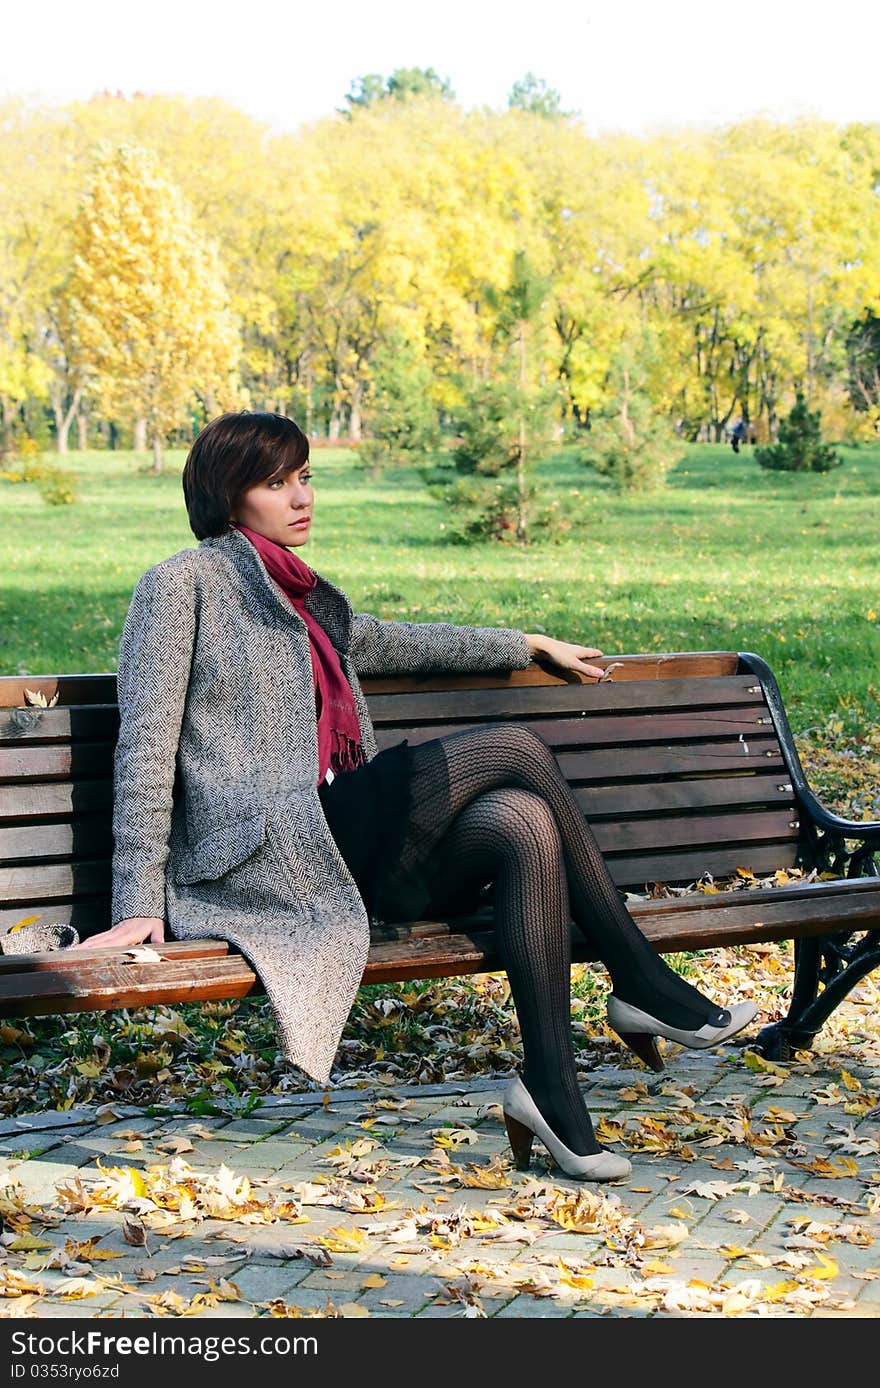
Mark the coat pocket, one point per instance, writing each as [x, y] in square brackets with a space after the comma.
[226, 847]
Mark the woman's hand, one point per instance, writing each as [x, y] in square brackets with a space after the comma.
[565, 655]
[128, 932]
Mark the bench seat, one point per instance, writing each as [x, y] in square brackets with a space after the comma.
[36, 985]
[683, 763]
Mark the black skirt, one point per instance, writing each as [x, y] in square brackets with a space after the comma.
[387, 819]
[369, 814]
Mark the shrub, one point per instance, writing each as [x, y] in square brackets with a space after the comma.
[800, 447]
[56, 487]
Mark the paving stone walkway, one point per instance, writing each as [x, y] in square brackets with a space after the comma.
[754, 1192]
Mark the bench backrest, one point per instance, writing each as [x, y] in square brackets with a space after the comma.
[674, 760]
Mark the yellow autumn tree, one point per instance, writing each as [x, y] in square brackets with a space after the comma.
[153, 336]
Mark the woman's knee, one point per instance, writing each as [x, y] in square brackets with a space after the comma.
[521, 821]
[521, 742]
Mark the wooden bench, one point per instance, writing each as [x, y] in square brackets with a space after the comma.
[683, 763]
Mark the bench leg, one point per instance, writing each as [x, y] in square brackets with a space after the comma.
[835, 964]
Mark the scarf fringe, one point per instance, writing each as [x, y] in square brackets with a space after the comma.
[347, 755]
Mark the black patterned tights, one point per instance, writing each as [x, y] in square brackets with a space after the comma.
[491, 804]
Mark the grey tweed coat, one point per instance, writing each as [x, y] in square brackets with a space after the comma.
[218, 826]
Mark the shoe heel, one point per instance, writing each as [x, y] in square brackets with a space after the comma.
[521, 1139]
[642, 1044]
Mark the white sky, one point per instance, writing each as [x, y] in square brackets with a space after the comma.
[623, 64]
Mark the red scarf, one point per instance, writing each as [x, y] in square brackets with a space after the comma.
[339, 729]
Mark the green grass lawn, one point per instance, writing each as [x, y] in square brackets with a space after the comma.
[726, 556]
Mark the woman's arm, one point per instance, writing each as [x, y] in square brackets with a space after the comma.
[409, 648]
[415, 648]
[155, 654]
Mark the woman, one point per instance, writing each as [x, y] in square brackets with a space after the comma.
[250, 803]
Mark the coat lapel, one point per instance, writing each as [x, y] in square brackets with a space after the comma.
[327, 603]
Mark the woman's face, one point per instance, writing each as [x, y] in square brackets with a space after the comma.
[279, 508]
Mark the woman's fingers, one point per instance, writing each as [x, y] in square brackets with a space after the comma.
[124, 933]
[572, 657]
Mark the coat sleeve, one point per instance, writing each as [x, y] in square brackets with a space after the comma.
[415, 648]
[155, 653]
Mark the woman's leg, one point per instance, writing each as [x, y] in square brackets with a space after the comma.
[449, 773]
[509, 837]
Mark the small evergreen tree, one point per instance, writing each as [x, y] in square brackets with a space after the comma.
[800, 447]
[507, 424]
[487, 434]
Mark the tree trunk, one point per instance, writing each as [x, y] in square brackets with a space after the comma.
[157, 454]
[810, 348]
[522, 506]
[355, 424]
[82, 429]
[310, 401]
[5, 426]
[626, 423]
[139, 440]
[64, 418]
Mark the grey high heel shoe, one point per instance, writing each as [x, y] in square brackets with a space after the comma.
[638, 1030]
[524, 1123]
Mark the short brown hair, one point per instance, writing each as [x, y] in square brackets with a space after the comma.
[231, 454]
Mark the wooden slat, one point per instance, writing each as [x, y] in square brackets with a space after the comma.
[643, 763]
[680, 868]
[474, 705]
[836, 888]
[45, 763]
[759, 753]
[34, 801]
[593, 730]
[83, 838]
[747, 921]
[91, 723]
[667, 665]
[53, 883]
[671, 832]
[56, 763]
[83, 959]
[88, 913]
[697, 794]
[111, 985]
[71, 689]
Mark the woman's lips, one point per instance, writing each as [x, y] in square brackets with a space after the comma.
[301, 523]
